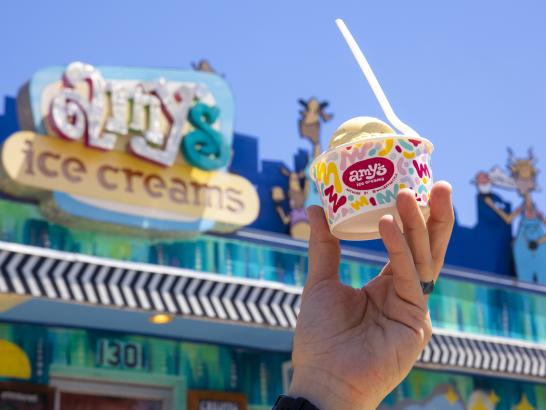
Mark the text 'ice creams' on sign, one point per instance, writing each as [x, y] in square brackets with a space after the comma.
[132, 147]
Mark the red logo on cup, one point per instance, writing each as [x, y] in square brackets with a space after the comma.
[369, 174]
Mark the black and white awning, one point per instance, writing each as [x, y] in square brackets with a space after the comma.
[483, 354]
[76, 278]
[38, 272]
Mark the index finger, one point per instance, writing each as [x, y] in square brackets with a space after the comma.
[405, 276]
[440, 224]
[324, 252]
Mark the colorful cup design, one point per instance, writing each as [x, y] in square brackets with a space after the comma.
[358, 181]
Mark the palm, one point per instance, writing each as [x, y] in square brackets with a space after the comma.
[362, 335]
[359, 344]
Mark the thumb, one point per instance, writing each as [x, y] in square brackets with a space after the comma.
[323, 248]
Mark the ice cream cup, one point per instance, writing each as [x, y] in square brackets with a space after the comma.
[358, 181]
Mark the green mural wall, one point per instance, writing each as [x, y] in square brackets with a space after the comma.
[258, 374]
[203, 366]
[455, 304]
[436, 390]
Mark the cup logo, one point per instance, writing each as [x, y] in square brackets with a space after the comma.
[371, 173]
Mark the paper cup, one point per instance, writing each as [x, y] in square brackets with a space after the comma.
[358, 182]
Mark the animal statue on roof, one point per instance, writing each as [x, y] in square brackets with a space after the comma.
[297, 193]
[311, 118]
[529, 245]
[301, 191]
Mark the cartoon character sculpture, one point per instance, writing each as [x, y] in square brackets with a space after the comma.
[297, 218]
[529, 245]
[311, 118]
[491, 230]
[301, 192]
[310, 121]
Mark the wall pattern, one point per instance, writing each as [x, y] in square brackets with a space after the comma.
[455, 304]
[257, 374]
[430, 390]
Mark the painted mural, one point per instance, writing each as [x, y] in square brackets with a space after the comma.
[258, 375]
[201, 366]
[529, 243]
[435, 390]
[446, 398]
[456, 304]
[25, 356]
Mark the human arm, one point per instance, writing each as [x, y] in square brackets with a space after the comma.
[353, 346]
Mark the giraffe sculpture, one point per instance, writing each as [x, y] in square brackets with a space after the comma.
[301, 191]
[311, 118]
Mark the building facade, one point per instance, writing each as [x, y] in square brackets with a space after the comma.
[150, 260]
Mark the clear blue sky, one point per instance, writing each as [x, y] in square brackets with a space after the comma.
[469, 75]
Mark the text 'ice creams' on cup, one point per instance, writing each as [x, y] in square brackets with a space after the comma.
[367, 163]
[360, 174]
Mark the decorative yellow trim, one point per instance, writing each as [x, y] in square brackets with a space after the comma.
[14, 361]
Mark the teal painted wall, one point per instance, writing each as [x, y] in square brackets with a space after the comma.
[202, 366]
[257, 374]
[455, 304]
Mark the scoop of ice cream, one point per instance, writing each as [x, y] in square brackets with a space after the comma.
[357, 129]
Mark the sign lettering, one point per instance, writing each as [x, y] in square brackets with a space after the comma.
[39, 161]
[156, 142]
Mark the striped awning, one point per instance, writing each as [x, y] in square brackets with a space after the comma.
[482, 354]
[69, 277]
[39, 272]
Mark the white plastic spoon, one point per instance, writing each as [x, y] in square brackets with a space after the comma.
[372, 80]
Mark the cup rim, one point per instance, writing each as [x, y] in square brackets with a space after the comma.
[374, 138]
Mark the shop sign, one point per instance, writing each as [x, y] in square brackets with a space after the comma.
[215, 400]
[140, 148]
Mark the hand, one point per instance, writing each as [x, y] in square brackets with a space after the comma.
[353, 346]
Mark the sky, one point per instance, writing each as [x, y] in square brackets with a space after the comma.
[468, 75]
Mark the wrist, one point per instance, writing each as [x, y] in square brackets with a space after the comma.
[327, 394]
